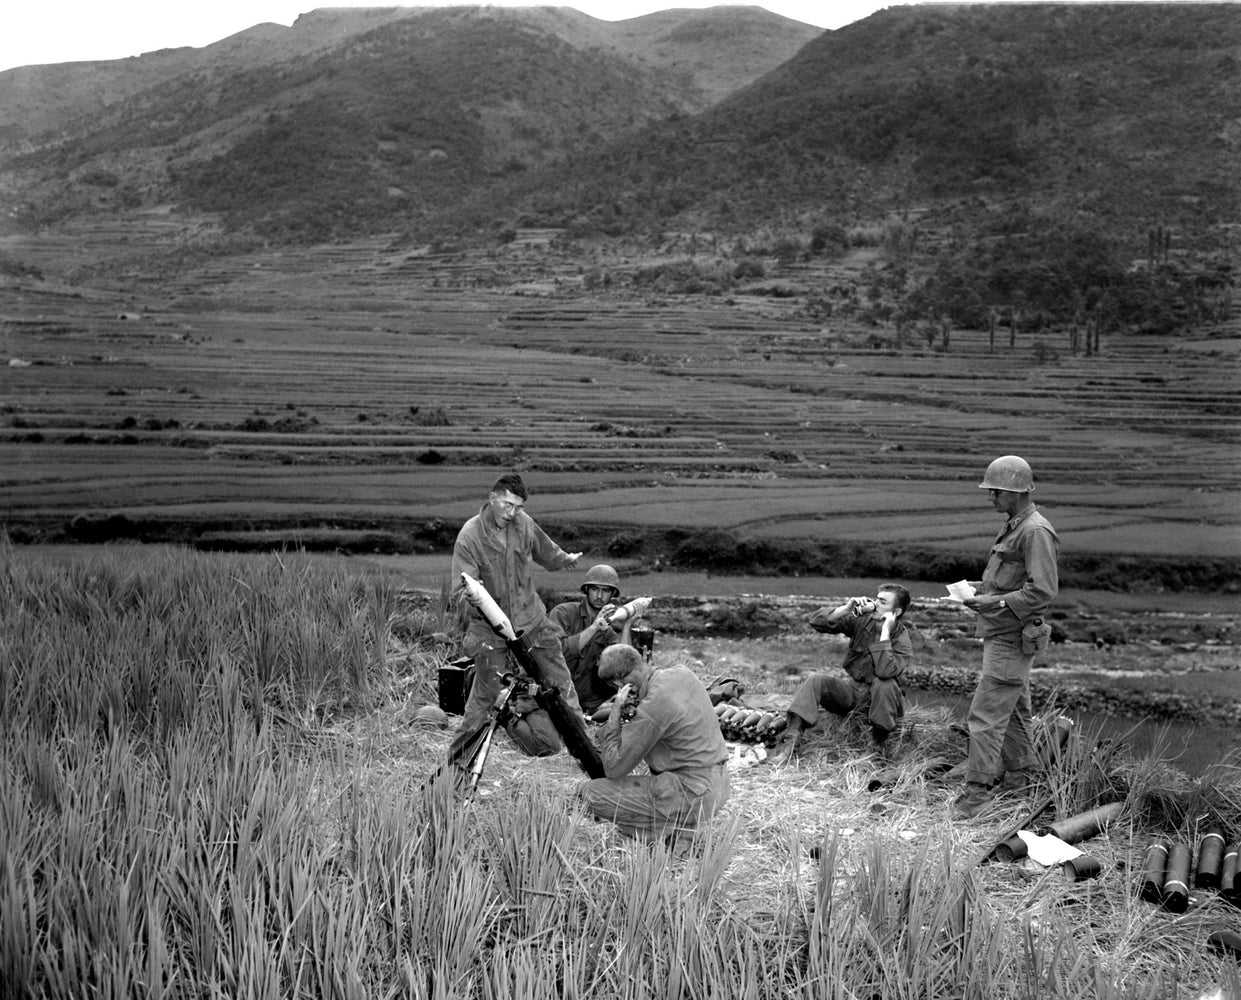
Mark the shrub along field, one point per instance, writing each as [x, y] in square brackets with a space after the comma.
[213, 785]
[364, 396]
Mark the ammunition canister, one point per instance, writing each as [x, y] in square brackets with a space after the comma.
[454, 685]
[1081, 868]
[1210, 859]
[1176, 881]
[1154, 871]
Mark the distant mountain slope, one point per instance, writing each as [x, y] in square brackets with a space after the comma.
[351, 119]
[977, 118]
[1120, 112]
[35, 100]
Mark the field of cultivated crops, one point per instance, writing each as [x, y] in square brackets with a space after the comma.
[214, 784]
[365, 396]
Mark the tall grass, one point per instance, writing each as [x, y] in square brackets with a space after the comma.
[173, 822]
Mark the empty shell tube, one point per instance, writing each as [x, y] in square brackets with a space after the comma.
[1228, 881]
[1085, 825]
[1176, 881]
[1013, 849]
[1210, 859]
[1081, 868]
[1154, 871]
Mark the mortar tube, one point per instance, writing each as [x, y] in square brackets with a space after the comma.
[568, 724]
[1176, 882]
[1084, 825]
[1210, 859]
[1154, 871]
[1082, 868]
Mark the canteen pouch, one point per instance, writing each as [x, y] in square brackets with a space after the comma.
[1035, 635]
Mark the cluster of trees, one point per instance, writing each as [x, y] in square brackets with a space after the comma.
[1062, 274]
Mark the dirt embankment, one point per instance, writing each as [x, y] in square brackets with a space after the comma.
[710, 550]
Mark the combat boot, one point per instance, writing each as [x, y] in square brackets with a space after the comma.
[972, 801]
[786, 748]
[1021, 780]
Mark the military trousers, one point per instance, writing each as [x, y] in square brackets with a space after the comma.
[643, 805]
[1000, 712]
[881, 701]
[527, 725]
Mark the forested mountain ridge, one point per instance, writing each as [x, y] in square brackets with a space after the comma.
[1125, 113]
[384, 111]
[1100, 124]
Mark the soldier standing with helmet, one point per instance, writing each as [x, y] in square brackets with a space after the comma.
[1018, 585]
[588, 632]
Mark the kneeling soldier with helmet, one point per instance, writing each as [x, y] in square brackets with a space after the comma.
[588, 629]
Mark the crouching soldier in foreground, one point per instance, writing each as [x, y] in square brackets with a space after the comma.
[879, 651]
[675, 730]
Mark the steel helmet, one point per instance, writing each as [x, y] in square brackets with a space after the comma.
[431, 715]
[1008, 473]
[602, 576]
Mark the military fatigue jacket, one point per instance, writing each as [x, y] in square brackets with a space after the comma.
[501, 557]
[1022, 570]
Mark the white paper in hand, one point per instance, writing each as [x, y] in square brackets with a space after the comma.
[960, 590]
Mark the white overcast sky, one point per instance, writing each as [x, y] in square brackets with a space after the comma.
[47, 31]
[33, 32]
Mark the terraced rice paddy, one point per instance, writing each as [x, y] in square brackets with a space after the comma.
[374, 384]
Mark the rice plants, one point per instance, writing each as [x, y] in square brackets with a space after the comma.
[205, 791]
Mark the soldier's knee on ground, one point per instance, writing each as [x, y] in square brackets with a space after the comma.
[535, 735]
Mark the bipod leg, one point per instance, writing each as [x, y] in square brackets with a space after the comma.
[467, 754]
[479, 760]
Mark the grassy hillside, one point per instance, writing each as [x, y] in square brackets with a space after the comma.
[348, 125]
[1115, 118]
[1117, 113]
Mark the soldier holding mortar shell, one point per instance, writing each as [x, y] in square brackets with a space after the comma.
[498, 547]
[591, 624]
